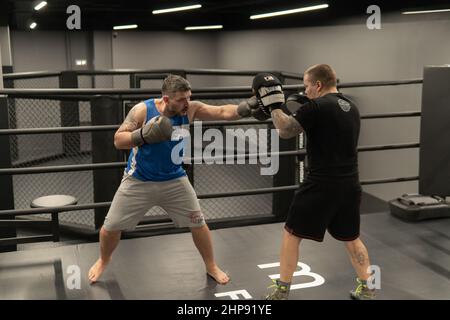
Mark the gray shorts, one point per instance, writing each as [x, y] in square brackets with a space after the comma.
[134, 198]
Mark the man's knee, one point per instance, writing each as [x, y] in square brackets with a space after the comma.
[353, 243]
[109, 233]
[199, 227]
[291, 236]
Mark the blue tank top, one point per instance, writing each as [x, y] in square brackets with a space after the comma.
[153, 162]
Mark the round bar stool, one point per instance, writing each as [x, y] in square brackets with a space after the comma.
[52, 201]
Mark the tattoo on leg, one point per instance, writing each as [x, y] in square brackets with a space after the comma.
[361, 258]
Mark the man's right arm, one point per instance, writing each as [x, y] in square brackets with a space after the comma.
[134, 120]
[287, 126]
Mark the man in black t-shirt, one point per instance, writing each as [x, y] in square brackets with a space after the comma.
[329, 198]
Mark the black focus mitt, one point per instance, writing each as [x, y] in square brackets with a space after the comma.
[268, 90]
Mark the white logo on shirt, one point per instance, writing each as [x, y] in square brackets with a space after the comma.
[180, 132]
[345, 106]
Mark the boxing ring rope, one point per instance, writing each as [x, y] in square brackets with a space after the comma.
[221, 72]
[246, 156]
[204, 124]
[30, 75]
[235, 89]
[249, 192]
[392, 115]
[58, 130]
[37, 74]
[263, 218]
[200, 93]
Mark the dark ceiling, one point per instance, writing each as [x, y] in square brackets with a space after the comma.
[233, 15]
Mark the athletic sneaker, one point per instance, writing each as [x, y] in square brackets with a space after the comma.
[279, 292]
[362, 291]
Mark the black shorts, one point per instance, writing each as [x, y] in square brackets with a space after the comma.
[325, 205]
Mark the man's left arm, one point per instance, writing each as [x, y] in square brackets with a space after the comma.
[203, 111]
[287, 126]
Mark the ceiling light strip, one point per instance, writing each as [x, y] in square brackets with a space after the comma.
[291, 11]
[40, 5]
[203, 27]
[426, 11]
[129, 26]
[195, 6]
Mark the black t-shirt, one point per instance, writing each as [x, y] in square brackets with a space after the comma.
[331, 124]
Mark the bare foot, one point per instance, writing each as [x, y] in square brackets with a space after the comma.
[218, 275]
[96, 270]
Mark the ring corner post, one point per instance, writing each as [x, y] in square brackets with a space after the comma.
[434, 165]
[105, 111]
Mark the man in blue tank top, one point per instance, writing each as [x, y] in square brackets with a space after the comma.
[152, 178]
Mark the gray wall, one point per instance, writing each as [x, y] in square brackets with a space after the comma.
[102, 59]
[399, 50]
[5, 45]
[78, 48]
[102, 50]
[49, 50]
[38, 50]
[166, 50]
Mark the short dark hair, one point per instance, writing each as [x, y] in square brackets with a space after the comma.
[173, 83]
[323, 73]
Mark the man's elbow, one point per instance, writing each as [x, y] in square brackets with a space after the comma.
[286, 134]
[118, 142]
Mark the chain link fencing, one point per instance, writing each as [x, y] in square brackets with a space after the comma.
[76, 148]
[38, 150]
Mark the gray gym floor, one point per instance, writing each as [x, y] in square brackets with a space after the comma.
[414, 259]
